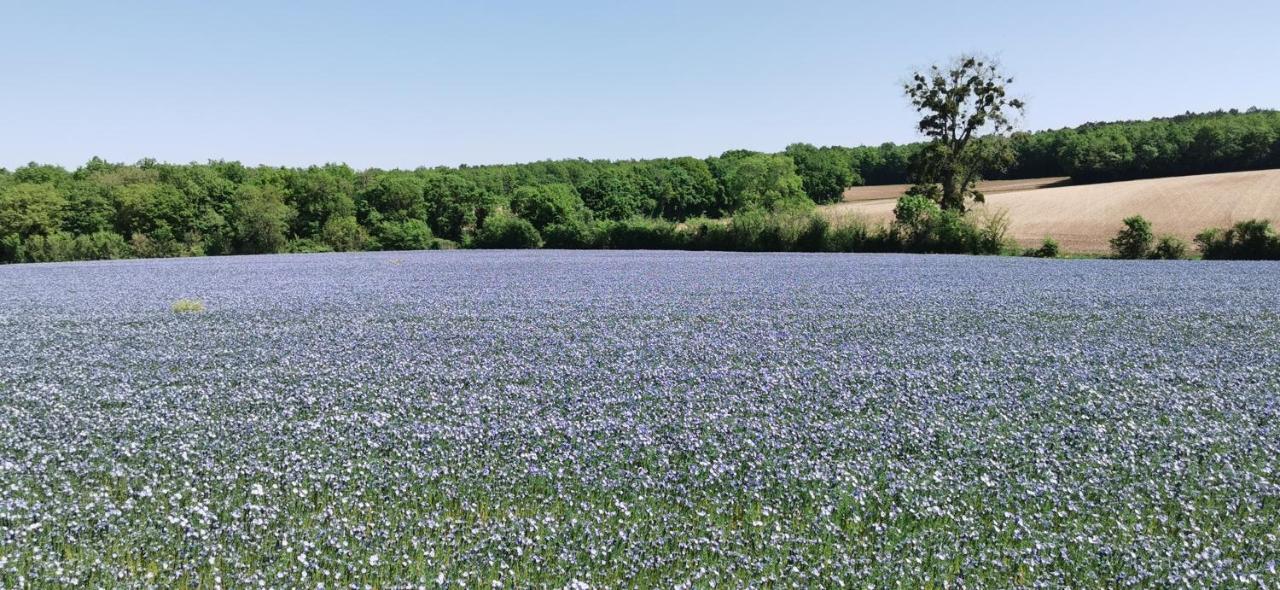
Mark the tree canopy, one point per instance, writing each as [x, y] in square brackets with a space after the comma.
[111, 210]
[965, 109]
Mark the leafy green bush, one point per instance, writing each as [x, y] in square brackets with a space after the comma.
[920, 225]
[1169, 248]
[343, 233]
[305, 246]
[1247, 240]
[101, 245]
[639, 233]
[572, 236]
[794, 232]
[51, 248]
[1048, 249]
[505, 231]
[410, 234]
[1134, 240]
[915, 215]
[850, 236]
[62, 246]
[549, 204]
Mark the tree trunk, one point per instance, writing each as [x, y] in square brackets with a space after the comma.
[952, 196]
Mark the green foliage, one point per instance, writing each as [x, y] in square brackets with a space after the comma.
[343, 233]
[573, 235]
[921, 225]
[31, 209]
[321, 194]
[455, 205]
[156, 209]
[62, 246]
[306, 246]
[786, 231]
[410, 234]
[1048, 249]
[850, 236]
[1169, 248]
[143, 246]
[550, 204]
[394, 196]
[1187, 144]
[504, 231]
[914, 216]
[1134, 240]
[34, 173]
[964, 110]
[824, 172]
[260, 219]
[638, 233]
[760, 181]
[680, 188]
[1247, 240]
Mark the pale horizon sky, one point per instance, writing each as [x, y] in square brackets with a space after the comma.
[408, 84]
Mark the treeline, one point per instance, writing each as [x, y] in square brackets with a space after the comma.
[1224, 141]
[149, 209]
[1194, 143]
[104, 210]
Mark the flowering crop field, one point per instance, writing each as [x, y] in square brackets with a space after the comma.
[555, 419]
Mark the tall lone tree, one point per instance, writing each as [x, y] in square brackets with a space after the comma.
[966, 113]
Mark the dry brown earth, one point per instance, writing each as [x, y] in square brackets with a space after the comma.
[1084, 217]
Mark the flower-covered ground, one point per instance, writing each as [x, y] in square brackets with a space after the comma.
[553, 419]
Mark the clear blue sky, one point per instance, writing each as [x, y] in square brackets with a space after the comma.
[405, 84]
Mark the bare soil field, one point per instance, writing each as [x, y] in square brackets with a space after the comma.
[1084, 217]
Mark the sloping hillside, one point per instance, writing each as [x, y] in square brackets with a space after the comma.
[1084, 217]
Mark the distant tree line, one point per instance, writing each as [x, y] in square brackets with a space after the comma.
[1194, 143]
[105, 210]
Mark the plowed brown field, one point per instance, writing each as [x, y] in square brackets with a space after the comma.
[1084, 217]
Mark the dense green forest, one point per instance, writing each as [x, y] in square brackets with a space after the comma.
[152, 209]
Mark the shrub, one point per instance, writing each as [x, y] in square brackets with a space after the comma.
[850, 236]
[102, 245]
[187, 306]
[1247, 240]
[410, 234]
[144, 246]
[51, 248]
[573, 235]
[305, 246]
[992, 232]
[549, 204]
[707, 234]
[920, 225]
[344, 234]
[1169, 248]
[11, 248]
[505, 231]
[796, 232]
[639, 233]
[1134, 240]
[915, 214]
[1048, 249]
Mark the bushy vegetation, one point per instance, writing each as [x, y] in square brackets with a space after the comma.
[1169, 248]
[509, 232]
[1134, 240]
[1254, 239]
[1194, 143]
[150, 209]
[1049, 248]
